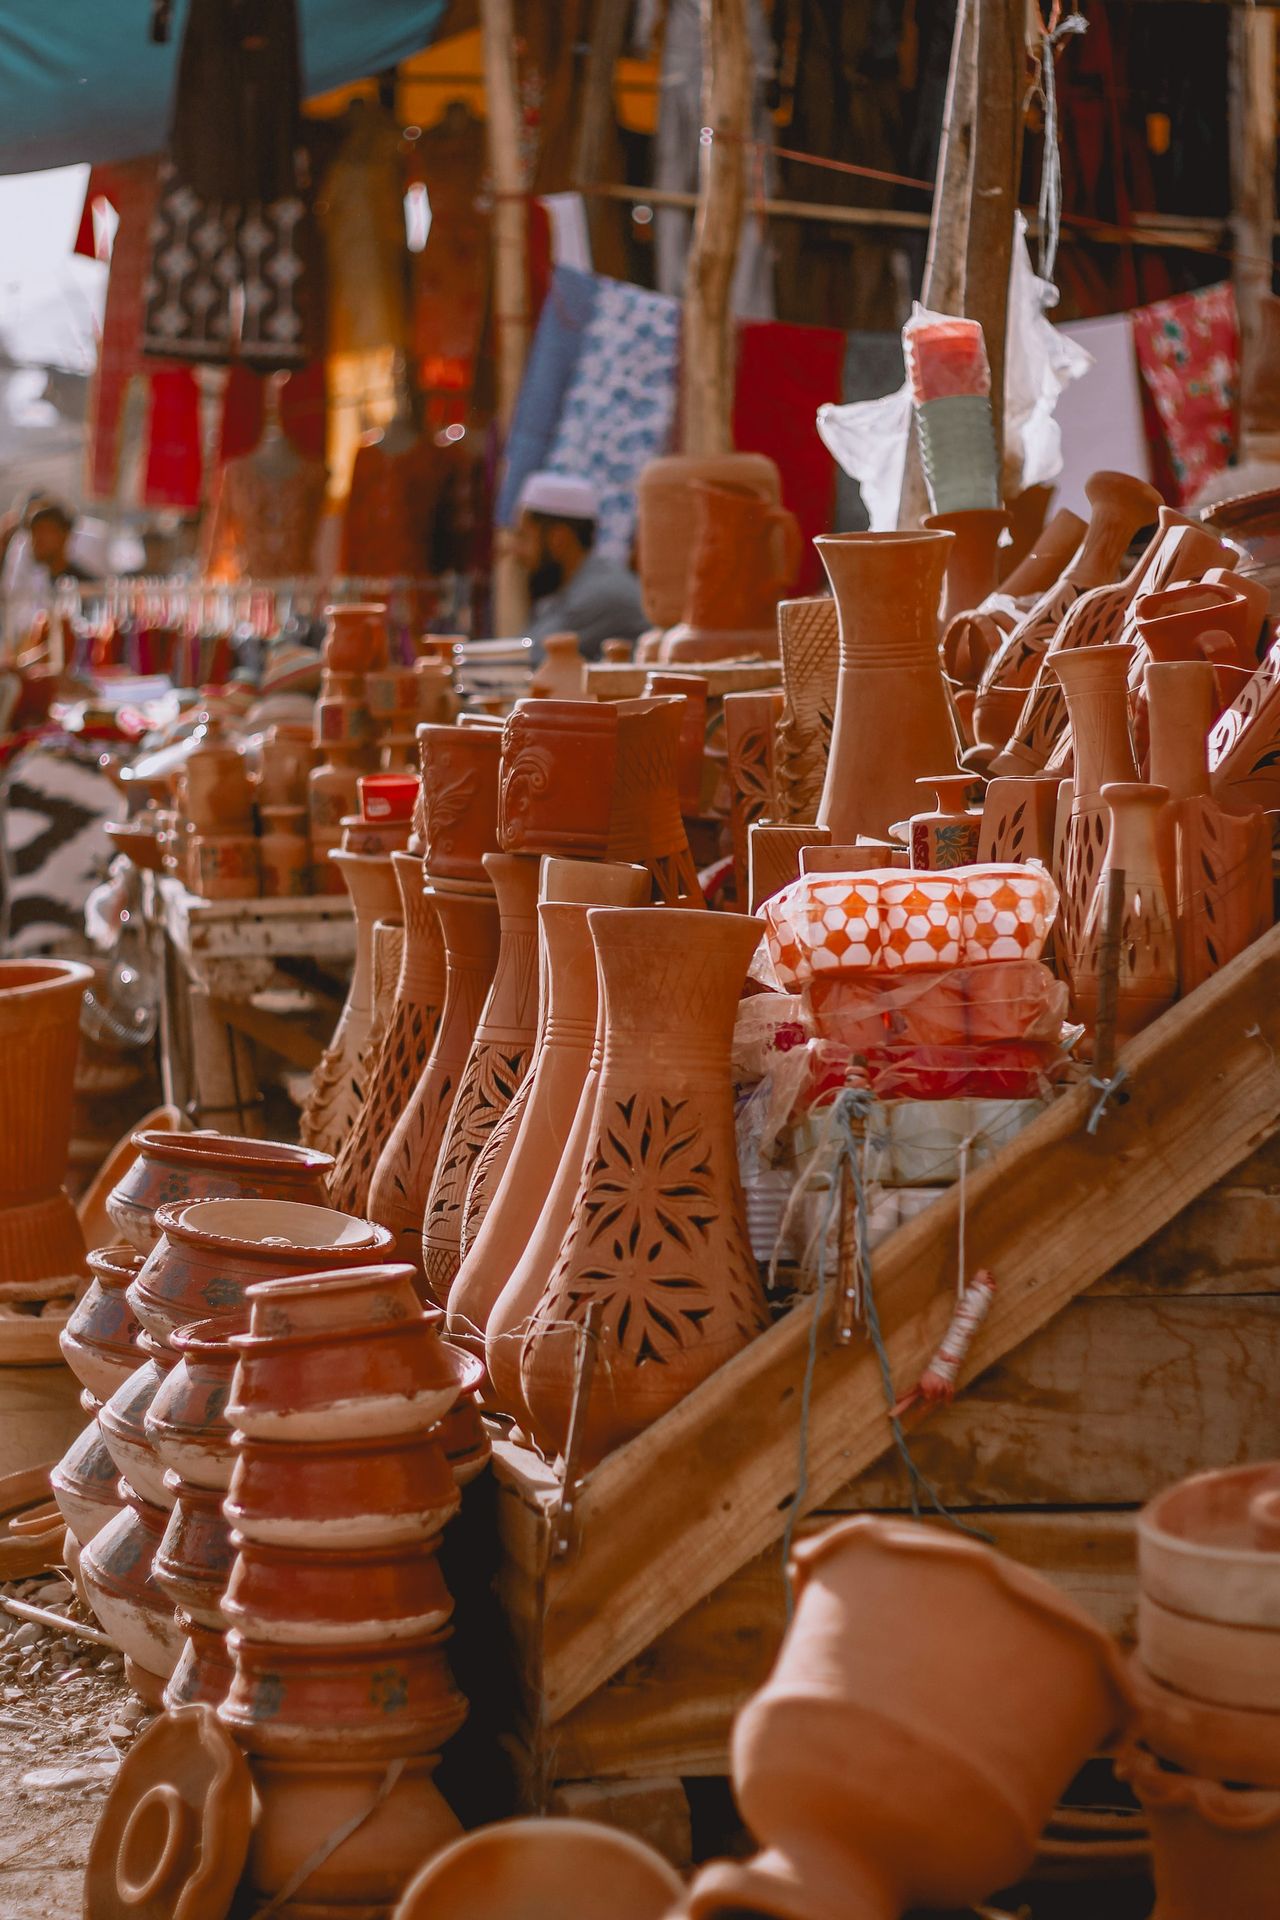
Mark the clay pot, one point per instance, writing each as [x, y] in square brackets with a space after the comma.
[1148, 974]
[464, 1436]
[122, 1421]
[332, 796]
[99, 1341]
[382, 1493]
[1019, 819]
[204, 1671]
[1094, 680]
[658, 1236]
[186, 1423]
[337, 1085]
[562, 672]
[774, 855]
[666, 527]
[286, 865]
[497, 1062]
[193, 1561]
[809, 640]
[973, 564]
[355, 1300]
[949, 836]
[224, 866]
[460, 768]
[314, 1597]
[40, 1236]
[85, 1483]
[391, 1380]
[691, 751]
[1251, 522]
[402, 1179]
[213, 1250]
[750, 730]
[1198, 1553]
[355, 638]
[285, 761]
[746, 553]
[115, 1567]
[300, 1803]
[372, 838]
[540, 1870]
[1220, 1743]
[912, 1655]
[1049, 553]
[559, 762]
[175, 1167]
[393, 1697]
[892, 723]
[214, 794]
[1173, 624]
[1215, 1849]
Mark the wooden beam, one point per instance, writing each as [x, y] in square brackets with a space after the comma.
[722, 191]
[666, 1519]
[510, 267]
[993, 195]
[597, 132]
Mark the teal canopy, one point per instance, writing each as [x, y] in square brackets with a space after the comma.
[80, 80]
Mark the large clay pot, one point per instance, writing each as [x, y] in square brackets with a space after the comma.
[930, 1702]
[559, 762]
[406, 1043]
[1095, 682]
[892, 720]
[309, 1596]
[460, 799]
[40, 1236]
[193, 1561]
[1147, 981]
[174, 1167]
[666, 527]
[336, 1094]
[115, 1567]
[392, 1697]
[658, 1237]
[390, 1380]
[496, 1064]
[100, 1341]
[122, 1422]
[542, 1870]
[549, 1097]
[1215, 1849]
[383, 1493]
[186, 1422]
[809, 643]
[85, 1484]
[402, 1179]
[746, 553]
[973, 565]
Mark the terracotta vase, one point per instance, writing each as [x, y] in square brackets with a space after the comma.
[496, 1064]
[85, 1484]
[171, 1168]
[1251, 522]
[115, 1567]
[658, 1237]
[460, 767]
[1094, 682]
[1217, 860]
[646, 826]
[333, 791]
[559, 763]
[40, 1235]
[750, 727]
[892, 720]
[561, 674]
[973, 564]
[337, 1085]
[809, 644]
[746, 553]
[692, 750]
[99, 1341]
[381, 1493]
[541, 1870]
[285, 761]
[1047, 555]
[333, 1702]
[1019, 819]
[213, 790]
[930, 1703]
[947, 837]
[402, 1179]
[186, 1422]
[355, 638]
[1147, 983]
[1215, 1849]
[324, 1387]
[407, 1039]
[666, 526]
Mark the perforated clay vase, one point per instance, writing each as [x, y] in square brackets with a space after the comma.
[1147, 982]
[336, 1094]
[1095, 682]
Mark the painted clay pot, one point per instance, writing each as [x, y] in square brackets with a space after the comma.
[391, 1827]
[391, 1380]
[973, 565]
[911, 1655]
[193, 1561]
[212, 1251]
[176, 1167]
[691, 751]
[947, 837]
[1217, 1742]
[85, 1485]
[666, 527]
[460, 798]
[224, 866]
[115, 1567]
[658, 1236]
[355, 638]
[1094, 680]
[892, 721]
[204, 1671]
[407, 1039]
[746, 553]
[559, 761]
[40, 1235]
[809, 642]
[99, 1341]
[539, 1870]
[548, 1099]
[646, 826]
[464, 1435]
[402, 1179]
[1215, 1849]
[337, 1085]
[1147, 983]
[122, 1421]
[380, 1493]
[496, 1064]
[186, 1422]
[1019, 819]
[349, 1300]
[326, 1702]
[313, 1597]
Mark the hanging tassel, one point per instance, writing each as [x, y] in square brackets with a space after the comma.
[938, 1381]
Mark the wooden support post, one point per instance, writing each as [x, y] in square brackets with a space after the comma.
[597, 133]
[510, 267]
[1253, 159]
[722, 199]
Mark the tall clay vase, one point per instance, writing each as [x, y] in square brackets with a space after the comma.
[1095, 682]
[973, 566]
[892, 719]
[497, 1063]
[1147, 983]
[545, 1107]
[401, 1183]
[1216, 859]
[337, 1085]
[658, 1238]
[406, 1041]
[930, 1702]
[809, 643]
[666, 523]
[40, 1236]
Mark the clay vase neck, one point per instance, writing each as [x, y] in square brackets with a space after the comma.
[658, 1233]
[746, 552]
[1181, 707]
[371, 882]
[973, 565]
[1171, 624]
[1095, 682]
[1119, 505]
[1048, 558]
[892, 720]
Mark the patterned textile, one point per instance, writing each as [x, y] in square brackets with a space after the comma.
[54, 848]
[553, 356]
[1188, 351]
[620, 403]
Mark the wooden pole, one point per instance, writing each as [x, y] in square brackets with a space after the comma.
[1252, 96]
[510, 269]
[722, 198]
[993, 198]
[597, 133]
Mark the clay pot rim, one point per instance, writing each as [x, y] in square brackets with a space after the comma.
[535, 1837]
[1259, 1476]
[340, 1280]
[172, 1221]
[313, 1451]
[322, 1558]
[353, 606]
[21, 979]
[1169, 1788]
[1161, 1705]
[191, 1495]
[924, 537]
[207, 1339]
[118, 1262]
[258, 1156]
[1147, 612]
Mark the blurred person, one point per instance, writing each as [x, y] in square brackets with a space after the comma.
[573, 588]
[52, 528]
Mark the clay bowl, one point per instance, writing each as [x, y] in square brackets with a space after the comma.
[84, 1485]
[1198, 1552]
[186, 1422]
[390, 1822]
[393, 1380]
[356, 1494]
[352, 1301]
[391, 1697]
[213, 1251]
[192, 1564]
[115, 1567]
[1211, 1660]
[543, 1870]
[1219, 1743]
[204, 1672]
[173, 1167]
[305, 1597]
[99, 1340]
[123, 1423]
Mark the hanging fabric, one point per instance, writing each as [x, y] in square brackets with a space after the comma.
[784, 374]
[1188, 352]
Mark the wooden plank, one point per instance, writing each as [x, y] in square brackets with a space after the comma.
[707, 343]
[666, 1519]
[993, 196]
[1228, 1242]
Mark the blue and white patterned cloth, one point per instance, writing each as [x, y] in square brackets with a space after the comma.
[557, 343]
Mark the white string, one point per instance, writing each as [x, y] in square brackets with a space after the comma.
[1051, 170]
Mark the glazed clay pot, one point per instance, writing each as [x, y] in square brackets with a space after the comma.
[391, 1697]
[539, 1869]
[1095, 681]
[186, 1422]
[947, 837]
[658, 1236]
[313, 1597]
[337, 1085]
[559, 762]
[913, 1655]
[1215, 1849]
[397, 1379]
[85, 1483]
[122, 1421]
[355, 638]
[176, 1167]
[380, 1493]
[496, 1064]
[809, 640]
[193, 1561]
[666, 527]
[99, 1341]
[892, 721]
[115, 1567]
[40, 1236]
[1147, 983]
[746, 553]
[460, 799]
[299, 1804]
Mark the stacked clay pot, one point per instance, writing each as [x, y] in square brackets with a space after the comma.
[284, 837]
[100, 1344]
[219, 847]
[1207, 1672]
[342, 1694]
[170, 1168]
[355, 646]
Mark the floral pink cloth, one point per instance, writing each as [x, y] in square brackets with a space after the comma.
[1188, 351]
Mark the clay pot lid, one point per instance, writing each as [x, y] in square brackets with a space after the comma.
[253, 1156]
[264, 1227]
[543, 1870]
[173, 1836]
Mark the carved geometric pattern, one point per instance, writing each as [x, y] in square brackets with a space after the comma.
[809, 637]
[750, 724]
[491, 1162]
[488, 1086]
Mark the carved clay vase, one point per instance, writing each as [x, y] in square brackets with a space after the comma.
[666, 521]
[1173, 624]
[402, 1180]
[971, 639]
[41, 1242]
[750, 726]
[407, 1039]
[646, 826]
[746, 553]
[1095, 682]
[1215, 1849]
[1018, 820]
[559, 761]
[809, 644]
[973, 564]
[1047, 557]
[1148, 977]
[562, 672]
[947, 837]
[337, 1088]
[496, 1064]
[460, 799]
[691, 752]
[539, 1869]
[892, 719]
[658, 1236]
[1217, 859]
[538, 1122]
[930, 1702]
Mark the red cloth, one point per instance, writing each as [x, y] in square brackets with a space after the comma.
[785, 373]
[131, 189]
[173, 439]
[1188, 351]
[302, 411]
[389, 522]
